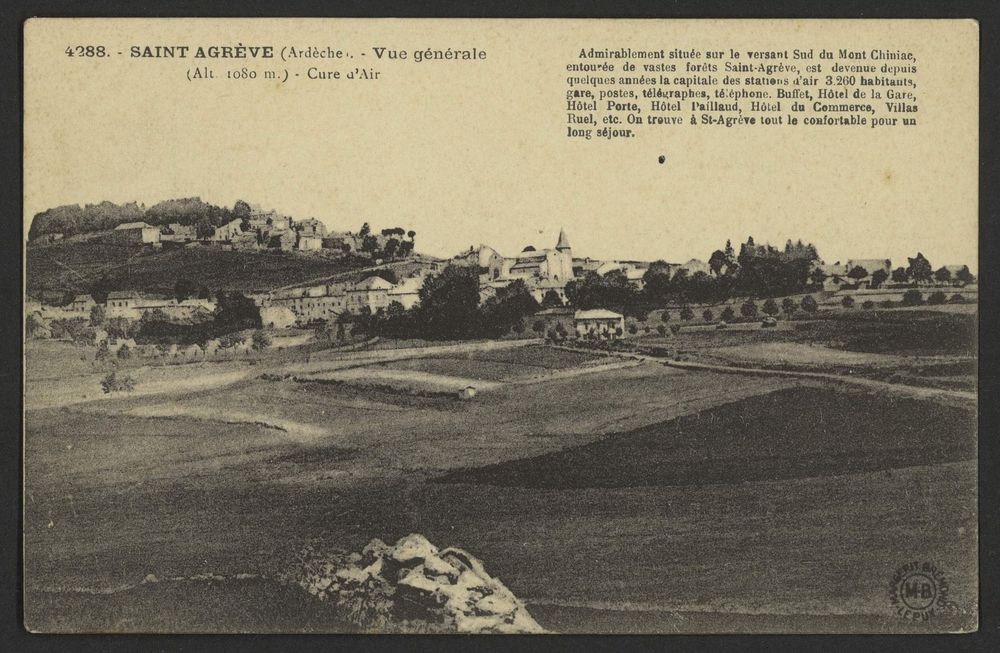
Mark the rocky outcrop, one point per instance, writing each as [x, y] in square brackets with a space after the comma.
[411, 586]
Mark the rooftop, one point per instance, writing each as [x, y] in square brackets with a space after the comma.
[598, 314]
[124, 294]
[372, 283]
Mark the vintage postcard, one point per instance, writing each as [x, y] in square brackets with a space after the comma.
[500, 326]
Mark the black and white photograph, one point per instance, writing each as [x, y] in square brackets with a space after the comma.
[500, 326]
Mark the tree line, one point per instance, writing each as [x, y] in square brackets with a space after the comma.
[449, 309]
[73, 219]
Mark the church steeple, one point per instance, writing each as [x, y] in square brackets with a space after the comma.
[563, 240]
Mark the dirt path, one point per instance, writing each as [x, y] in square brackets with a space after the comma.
[894, 388]
[353, 358]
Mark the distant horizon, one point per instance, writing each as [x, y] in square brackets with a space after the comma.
[541, 236]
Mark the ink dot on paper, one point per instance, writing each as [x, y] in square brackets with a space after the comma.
[662, 159]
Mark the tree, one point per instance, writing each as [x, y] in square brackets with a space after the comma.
[857, 273]
[103, 353]
[509, 306]
[913, 297]
[551, 299]
[665, 316]
[236, 312]
[687, 314]
[937, 297]
[261, 340]
[809, 304]
[965, 276]
[707, 315]
[661, 329]
[99, 289]
[611, 291]
[538, 326]
[788, 305]
[391, 246]
[97, 315]
[748, 309]
[847, 301]
[657, 287]
[900, 275]
[185, 288]
[919, 269]
[369, 245]
[120, 327]
[957, 298]
[879, 277]
[817, 276]
[449, 304]
[770, 307]
[115, 383]
[204, 229]
[717, 261]
[124, 353]
[942, 275]
[633, 329]
[868, 305]
[364, 231]
[728, 314]
[242, 210]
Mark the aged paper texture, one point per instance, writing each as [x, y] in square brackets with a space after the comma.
[500, 326]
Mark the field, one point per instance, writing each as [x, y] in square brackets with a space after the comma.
[609, 494]
[75, 266]
[923, 347]
[508, 365]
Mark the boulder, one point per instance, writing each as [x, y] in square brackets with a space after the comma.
[411, 586]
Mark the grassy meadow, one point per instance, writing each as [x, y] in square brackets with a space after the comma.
[609, 494]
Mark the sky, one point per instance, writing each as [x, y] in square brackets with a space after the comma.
[469, 153]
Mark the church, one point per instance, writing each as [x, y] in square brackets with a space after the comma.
[541, 270]
[554, 265]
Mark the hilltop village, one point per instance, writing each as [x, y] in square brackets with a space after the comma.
[480, 292]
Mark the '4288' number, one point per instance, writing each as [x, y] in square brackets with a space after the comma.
[86, 51]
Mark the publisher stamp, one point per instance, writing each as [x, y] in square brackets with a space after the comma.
[919, 590]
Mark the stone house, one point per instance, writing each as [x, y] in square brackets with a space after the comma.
[136, 233]
[82, 304]
[371, 293]
[599, 322]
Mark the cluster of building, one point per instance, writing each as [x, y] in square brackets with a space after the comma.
[545, 270]
[327, 302]
[264, 229]
[133, 305]
[838, 276]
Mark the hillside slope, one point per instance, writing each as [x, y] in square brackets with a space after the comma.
[74, 267]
